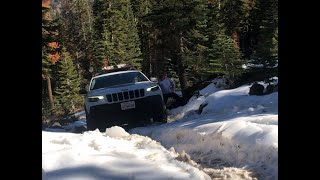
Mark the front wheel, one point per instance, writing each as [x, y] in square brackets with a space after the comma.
[91, 123]
[161, 118]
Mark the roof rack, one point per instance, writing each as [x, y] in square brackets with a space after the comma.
[116, 68]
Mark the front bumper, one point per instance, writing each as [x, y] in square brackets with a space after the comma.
[108, 115]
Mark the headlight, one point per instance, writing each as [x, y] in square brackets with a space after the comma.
[153, 88]
[95, 98]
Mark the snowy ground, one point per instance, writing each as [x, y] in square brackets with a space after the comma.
[233, 130]
[235, 136]
[114, 154]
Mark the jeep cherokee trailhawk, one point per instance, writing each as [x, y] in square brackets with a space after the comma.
[124, 98]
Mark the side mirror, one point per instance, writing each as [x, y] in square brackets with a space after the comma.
[83, 91]
[154, 79]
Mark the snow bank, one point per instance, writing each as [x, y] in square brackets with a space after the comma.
[111, 155]
[193, 104]
[238, 101]
[233, 130]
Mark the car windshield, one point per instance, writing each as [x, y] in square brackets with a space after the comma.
[117, 79]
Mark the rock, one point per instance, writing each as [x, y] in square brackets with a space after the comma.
[256, 89]
[269, 89]
[275, 89]
[56, 125]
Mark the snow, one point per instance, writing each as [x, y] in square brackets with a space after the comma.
[116, 131]
[232, 136]
[251, 65]
[114, 154]
[233, 130]
[194, 102]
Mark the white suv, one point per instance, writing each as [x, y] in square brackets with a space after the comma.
[125, 98]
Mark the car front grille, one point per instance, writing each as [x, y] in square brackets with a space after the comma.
[125, 95]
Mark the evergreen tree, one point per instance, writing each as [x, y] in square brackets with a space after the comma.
[274, 50]
[147, 40]
[50, 55]
[265, 52]
[215, 28]
[196, 46]
[68, 98]
[232, 13]
[99, 10]
[114, 34]
[78, 33]
[225, 59]
[114, 21]
[177, 25]
[248, 28]
[133, 48]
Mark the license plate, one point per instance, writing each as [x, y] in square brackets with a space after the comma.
[128, 105]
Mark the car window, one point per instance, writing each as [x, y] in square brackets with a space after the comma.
[117, 79]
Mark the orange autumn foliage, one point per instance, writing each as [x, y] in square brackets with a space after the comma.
[53, 45]
[235, 38]
[54, 57]
[46, 3]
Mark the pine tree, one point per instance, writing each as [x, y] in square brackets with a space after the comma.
[141, 9]
[265, 53]
[119, 40]
[50, 55]
[133, 48]
[225, 59]
[196, 46]
[68, 98]
[99, 10]
[274, 50]
[77, 32]
[114, 34]
[177, 27]
[232, 14]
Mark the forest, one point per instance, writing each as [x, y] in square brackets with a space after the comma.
[193, 41]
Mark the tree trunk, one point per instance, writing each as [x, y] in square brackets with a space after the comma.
[182, 75]
[159, 66]
[235, 37]
[181, 70]
[50, 92]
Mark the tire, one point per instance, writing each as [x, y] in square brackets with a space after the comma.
[161, 118]
[91, 125]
